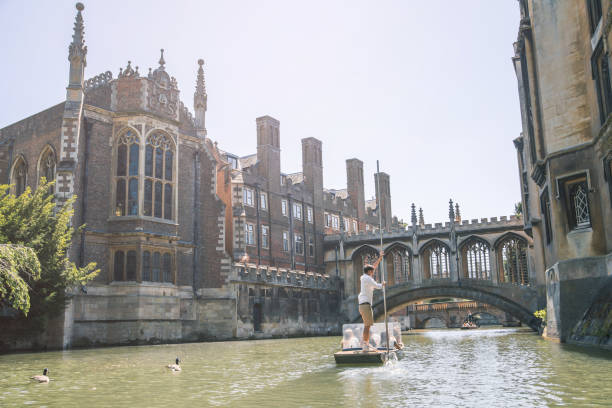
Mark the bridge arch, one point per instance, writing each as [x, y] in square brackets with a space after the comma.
[443, 319]
[400, 296]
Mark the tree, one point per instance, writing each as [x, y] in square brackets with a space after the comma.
[19, 266]
[518, 209]
[33, 222]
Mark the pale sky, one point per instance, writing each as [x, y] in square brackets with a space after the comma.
[426, 87]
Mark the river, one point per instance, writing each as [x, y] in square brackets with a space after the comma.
[476, 368]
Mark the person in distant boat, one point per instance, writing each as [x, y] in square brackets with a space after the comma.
[350, 341]
[368, 284]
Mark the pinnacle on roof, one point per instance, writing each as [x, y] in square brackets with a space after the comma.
[77, 48]
[451, 210]
[162, 62]
[413, 216]
[200, 83]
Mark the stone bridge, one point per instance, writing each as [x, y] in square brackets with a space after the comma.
[488, 261]
[453, 314]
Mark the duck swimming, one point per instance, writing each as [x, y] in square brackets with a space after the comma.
[41, 378]
[175, 367]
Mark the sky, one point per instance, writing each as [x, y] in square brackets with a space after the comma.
[425, 87]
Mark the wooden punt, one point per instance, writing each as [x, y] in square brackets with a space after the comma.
[360, 357]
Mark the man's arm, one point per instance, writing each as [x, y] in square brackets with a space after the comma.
[380, 257]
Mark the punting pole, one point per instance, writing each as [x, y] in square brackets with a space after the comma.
[382, 261]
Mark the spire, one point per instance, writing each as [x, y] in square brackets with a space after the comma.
[451, 211]
[457, 213]
[200, 99]
[421, 218]
[413, 216]
[77, 49]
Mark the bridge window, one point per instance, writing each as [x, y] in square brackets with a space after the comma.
[476, 262]
[398, 266]
[513, 261]
[436, 266]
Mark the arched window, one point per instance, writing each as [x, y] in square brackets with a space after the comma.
[436, 264]
[18, 178]
[159, 176]
[126, 187]
[46, 166]
[476, 262]
[398, 268]
[513, 261]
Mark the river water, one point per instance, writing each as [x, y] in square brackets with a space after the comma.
[475, 368]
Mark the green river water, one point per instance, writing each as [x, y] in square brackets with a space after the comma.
[472, 368]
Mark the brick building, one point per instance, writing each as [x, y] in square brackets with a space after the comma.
[168, 215]
[562, 60]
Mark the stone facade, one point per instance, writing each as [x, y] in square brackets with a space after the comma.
[562, 62]
[166, 215]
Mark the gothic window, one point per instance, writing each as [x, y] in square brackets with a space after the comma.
[436, 264]
[18, 178]
[476, 262]
[400, 266]
[46, 167]
[577, 202]
[513, 261]
[159, 176]
[126, 176]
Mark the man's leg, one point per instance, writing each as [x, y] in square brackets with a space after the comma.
[366, 334]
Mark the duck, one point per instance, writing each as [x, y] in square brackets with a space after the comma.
[41, 378]
[175, 367]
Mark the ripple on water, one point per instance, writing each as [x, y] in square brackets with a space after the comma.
[480, 368]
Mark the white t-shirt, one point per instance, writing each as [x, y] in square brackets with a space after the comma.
[368, 284]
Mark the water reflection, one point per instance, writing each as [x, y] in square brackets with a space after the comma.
[498, 367]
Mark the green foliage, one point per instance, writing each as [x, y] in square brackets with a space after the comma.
[518, 209]
[540, 314]
[19, 267]
[34, 221]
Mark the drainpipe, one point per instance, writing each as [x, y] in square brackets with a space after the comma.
[196, 220]
[304, 215]
[88, 128]
[257, 199]
[291, 237]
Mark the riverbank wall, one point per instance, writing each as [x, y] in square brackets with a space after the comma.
[255, 303]
[575, 288]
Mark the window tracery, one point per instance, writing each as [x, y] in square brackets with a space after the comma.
[401, 265]
[159, 176]
[126, 174]
[476, 257]
[437, 265]
[47, 165]
[18, 178]
[513, 261]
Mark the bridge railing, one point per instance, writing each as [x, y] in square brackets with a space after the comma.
[433, 307]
